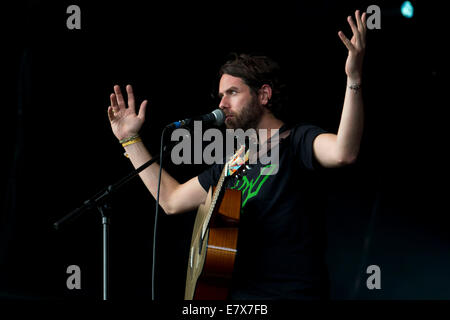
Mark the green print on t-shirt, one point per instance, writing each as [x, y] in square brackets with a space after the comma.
[249, 186]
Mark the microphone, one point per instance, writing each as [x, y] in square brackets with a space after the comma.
[216, 118]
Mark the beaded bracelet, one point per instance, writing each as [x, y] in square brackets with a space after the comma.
[138, 139]
[129, 138]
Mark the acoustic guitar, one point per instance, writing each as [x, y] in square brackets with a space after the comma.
[214, 238]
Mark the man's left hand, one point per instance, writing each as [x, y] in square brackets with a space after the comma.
[356, 46]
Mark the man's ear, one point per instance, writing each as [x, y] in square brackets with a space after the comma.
[265, 94]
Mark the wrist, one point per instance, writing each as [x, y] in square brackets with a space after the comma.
[354, 80]
[128, 137]
[130, 140]
[131, 144]
[354, 83]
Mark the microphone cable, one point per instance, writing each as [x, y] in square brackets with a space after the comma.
[161, 156]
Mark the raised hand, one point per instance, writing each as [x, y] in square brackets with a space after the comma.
[124, 120]
[356, 46]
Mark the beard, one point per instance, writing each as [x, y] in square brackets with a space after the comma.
[248, 118]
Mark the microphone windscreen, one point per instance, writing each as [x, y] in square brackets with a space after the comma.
[220, 117]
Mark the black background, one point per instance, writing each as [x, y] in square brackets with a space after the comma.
[58, 148]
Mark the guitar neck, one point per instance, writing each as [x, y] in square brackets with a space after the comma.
[214, 200]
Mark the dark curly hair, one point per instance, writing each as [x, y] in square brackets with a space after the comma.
[255, 71]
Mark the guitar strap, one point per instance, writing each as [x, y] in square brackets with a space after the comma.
[283, 133]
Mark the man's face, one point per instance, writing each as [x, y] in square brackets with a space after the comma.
[241, 108]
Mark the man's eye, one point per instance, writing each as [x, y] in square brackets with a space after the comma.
[233, 92]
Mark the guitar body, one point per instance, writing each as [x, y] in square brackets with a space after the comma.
[213, 247]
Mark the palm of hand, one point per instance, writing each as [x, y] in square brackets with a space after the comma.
[124, 120]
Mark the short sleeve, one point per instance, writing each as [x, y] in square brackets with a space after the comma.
[302, 138]
[210, 176]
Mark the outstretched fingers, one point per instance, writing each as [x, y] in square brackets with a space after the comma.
[363, 29]
[358, 21]
[359, 29]
[142, 110]
[345, 41]
[130, 94]
[111, 114]
[114, 103]
[119, 97]
[364, 23]
[118, 104]
[355, 30]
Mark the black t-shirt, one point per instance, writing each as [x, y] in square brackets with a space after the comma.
[281, 243]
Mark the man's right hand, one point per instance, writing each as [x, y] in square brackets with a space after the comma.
[124, 121]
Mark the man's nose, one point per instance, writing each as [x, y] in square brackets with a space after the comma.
[223, 104]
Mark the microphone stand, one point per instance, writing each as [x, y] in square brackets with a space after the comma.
[99, 201]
